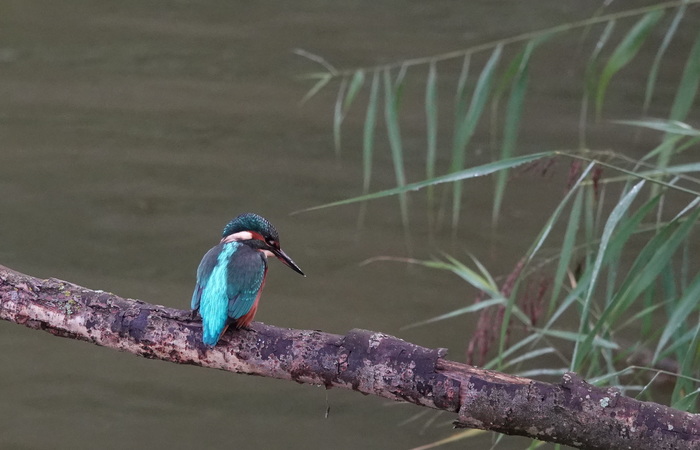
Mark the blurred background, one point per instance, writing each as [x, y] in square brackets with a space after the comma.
[133, 131]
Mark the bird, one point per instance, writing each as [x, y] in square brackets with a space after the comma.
[231, 275]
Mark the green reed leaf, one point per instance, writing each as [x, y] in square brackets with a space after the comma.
[368, 132]
[320, 84]
[514, 111]
[391, 117]
[584, 348]
[338, 115]
[465, 129]
[654, 71]
[684, 308]
[431, 119]
[625, 52]
[473, 172]
[674, 127]
[358, 79]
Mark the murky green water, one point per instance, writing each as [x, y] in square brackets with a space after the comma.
[133, 131]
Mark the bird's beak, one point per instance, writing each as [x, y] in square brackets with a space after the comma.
[282, 256]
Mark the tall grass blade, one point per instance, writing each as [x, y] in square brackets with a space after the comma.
[368, 141]
[368, 132]
[317, 59]
[461, 104]
[688, 87]
[511, 350]
[482, 269]
[684, 168]
[465, 129]
[679, 343]
[534, 373]
[685, 95]
[320, 84]
[643, 314]
[505, 82]
[578, 337]
[627, 227]
[391, 117]
[654, 71]
[338, 116]
[483, 282]
[683, 401]
[431, 118]
[530, 355]
[461, 96]
[669, 145]
[460, 107]
[567, 249]
[516, 66]
[625, 52]
[458, 312]
[358, 79]
[582, 349]
[572, 298]
[684, 393]
[693, 203]
[683, 309]
[514, 111]
[653, 258]
[589, 80]
[547, 229]
[673, 127]
[472, 172]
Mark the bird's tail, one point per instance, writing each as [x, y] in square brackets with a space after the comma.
[209, 338]
[212, 330]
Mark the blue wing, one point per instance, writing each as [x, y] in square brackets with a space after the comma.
[206, 266]
[246, 274]
[209, 295]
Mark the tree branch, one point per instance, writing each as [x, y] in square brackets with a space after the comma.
[572, 412]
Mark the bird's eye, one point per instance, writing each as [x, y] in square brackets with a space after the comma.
[271, 242]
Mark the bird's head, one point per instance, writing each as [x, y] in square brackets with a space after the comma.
[257, 232]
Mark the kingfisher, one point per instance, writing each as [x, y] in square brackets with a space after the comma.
[232, 274]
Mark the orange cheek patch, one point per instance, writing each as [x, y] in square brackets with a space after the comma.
[257, 236]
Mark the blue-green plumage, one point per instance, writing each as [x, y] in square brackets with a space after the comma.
[232, 274]
[227, 287]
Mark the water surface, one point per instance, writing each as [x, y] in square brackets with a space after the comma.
[133, 131]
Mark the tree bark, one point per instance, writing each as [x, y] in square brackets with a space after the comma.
[572, 412]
